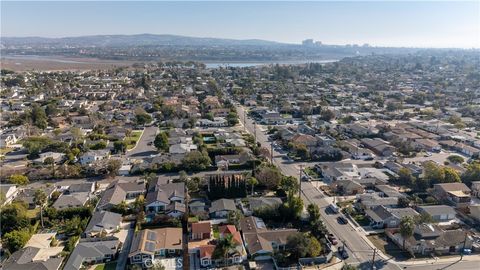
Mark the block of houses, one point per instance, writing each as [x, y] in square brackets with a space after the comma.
[457, 194]
[430, 240]
[103, 222]
[439, 213]
[92, 251]
[261, 242]
[378, 146]
[150, 244]
[220, 208]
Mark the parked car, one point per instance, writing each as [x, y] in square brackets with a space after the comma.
[342, 220]
[343, 253]
[332, 239]
[334, 208]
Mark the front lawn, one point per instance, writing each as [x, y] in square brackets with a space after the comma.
[133, 139]
[33, 213]
[107, 266]
[312, 173]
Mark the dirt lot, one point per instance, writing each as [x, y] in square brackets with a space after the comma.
[58, 63]
[388, 247]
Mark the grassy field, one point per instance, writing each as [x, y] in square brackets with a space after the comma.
[133, 139]
[106, 266]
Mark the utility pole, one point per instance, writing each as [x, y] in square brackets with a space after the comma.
[300, 182]
[244, 120]
[255, 132]
[271, 153]
[373, 260]
[185, 234]
[463, 249]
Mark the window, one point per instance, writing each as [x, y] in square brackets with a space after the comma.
[137, 258]
[171, 251]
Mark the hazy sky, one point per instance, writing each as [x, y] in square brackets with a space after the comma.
[422, 24]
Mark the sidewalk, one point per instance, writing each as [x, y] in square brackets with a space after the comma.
[468, 258]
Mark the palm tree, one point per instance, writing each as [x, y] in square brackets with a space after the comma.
[407, 225]
[252, 181]
[50, 161]
[224, 246]
[40, 198]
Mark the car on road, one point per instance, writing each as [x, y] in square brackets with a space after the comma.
[332, 239]
[149, 143]
[334, 208]
[343, 253]
[342, 220]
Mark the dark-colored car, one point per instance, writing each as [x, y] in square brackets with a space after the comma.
[342, 251]
[342, 220]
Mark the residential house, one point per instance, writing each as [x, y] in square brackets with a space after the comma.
[182, 148]
[255, 203]
[78, 199]
[28, 195]
[261, 242]
[88, 187]
[201, 230]
[9, 192]
[338, 171]
[7, 139]
[382, 217]
[347, 187]
[94, 155]
[220, 208]
[439, 213]
[475, 189]
[92, 251]
[32, 258]
[57, 157]
[149, 244]
[166, 198]
[118, 192]
[457, 194]
[103, 222]
[371, 200]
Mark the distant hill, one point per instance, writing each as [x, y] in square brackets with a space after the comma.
[134, 40]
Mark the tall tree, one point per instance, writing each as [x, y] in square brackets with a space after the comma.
[407, 225]
[161, 141]
[40, 198]
[50, 161]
